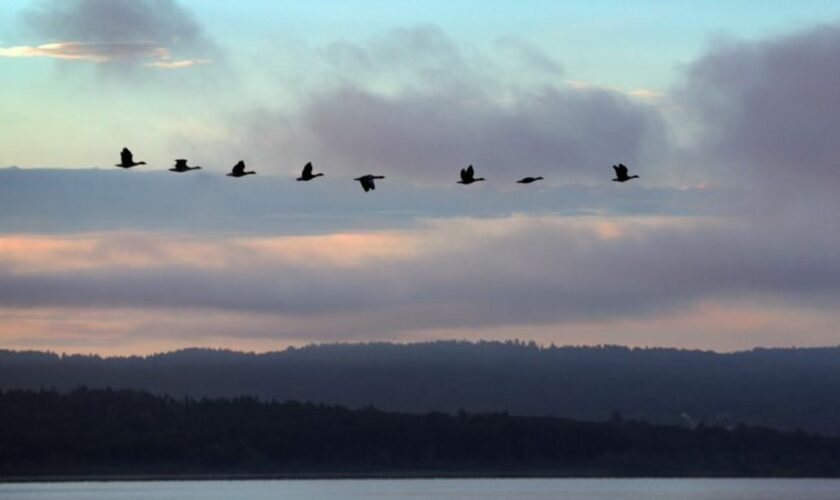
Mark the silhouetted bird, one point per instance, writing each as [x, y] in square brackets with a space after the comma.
[181, 166]
[621, 173]
[528, 180]
[468, 176]
[367, 181]
[239, 170]
[127, 160]
[307, 174]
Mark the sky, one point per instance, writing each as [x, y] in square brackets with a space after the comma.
[728, 112]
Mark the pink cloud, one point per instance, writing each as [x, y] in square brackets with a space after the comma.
[155, 55]
[586, 279]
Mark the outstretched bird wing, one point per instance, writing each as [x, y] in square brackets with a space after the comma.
[622, 170]
[470, 171]
[307, 170]
[239, 168]
[126, 157]
[464, 176]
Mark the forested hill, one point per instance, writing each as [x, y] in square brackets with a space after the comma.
[779, 388]
[89, 433]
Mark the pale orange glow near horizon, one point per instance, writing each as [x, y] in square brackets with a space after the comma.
[716, 326]
[387, 311]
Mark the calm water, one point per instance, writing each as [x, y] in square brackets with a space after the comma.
[442, 489]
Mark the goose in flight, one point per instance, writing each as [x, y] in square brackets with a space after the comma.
[621, 173]
[127, 159]
[181, 166]
[307, 174]
[468, 176]
[528, 180]
[239, 170]
[367, 181]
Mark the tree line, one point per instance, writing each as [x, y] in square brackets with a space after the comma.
[118, 432]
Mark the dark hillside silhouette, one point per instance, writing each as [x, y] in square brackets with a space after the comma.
[779, 388]
[104, 432]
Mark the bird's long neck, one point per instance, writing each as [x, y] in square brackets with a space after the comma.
[318, 175]
[633, 177]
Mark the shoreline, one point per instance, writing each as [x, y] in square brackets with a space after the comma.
[373, 476]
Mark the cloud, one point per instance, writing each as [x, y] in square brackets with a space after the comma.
[761, 113]
[635, 93]
[410, 56]
[184, 63]
[414, 103]
[129, 52]
[427, 136]
[88, 51]
[597, 261]
[424, 55]
[450, 274]
[532, 57]
[152, 33]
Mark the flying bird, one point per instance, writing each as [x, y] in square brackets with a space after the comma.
[181, 166]
[307, 174]
[468, 176]
[127, 159]
[367, 181]
[528, 180]
[621, 173]
[239, 170]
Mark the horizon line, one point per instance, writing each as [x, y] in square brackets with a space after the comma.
[529, 344]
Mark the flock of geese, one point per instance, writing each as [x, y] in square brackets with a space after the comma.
[367, 181]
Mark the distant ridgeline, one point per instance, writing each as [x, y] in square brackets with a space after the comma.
[118, 433]
[777, 388]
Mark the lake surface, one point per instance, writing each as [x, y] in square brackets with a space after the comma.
[435, 489]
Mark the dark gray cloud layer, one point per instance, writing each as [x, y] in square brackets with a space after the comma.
[767, 112]
[121, 31]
